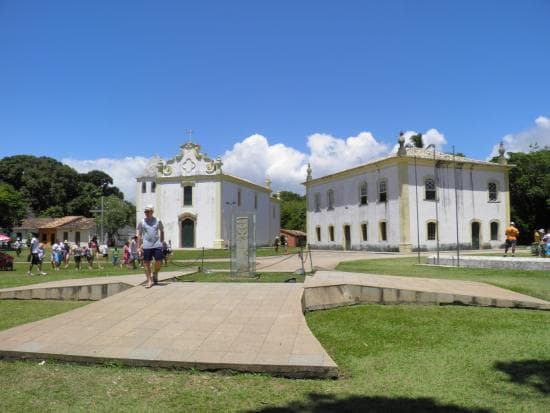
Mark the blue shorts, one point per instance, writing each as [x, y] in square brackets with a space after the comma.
[148, 254]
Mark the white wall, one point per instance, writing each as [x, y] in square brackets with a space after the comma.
[473, 204]
[348, 211]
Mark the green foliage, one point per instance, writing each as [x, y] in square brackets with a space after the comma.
[293, 211]
[55, 211]
[417, 140]
[53, 189]
[117, 214]
[530, 191]
[12, 205]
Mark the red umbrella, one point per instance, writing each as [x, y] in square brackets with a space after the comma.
[4, 237]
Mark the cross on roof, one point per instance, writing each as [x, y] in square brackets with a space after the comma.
[189, 133]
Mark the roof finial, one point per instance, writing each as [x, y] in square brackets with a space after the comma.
[308, 178]
[401, 140]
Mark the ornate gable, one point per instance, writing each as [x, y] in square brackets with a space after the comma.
[189, 162]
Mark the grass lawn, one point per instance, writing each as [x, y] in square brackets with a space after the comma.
[533, 283]
[224, 253]
[393, 358]
[19, 275]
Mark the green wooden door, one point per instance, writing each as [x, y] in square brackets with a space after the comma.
[188, 233]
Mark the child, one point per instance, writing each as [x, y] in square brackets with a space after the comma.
[77, 253]
[115, 256]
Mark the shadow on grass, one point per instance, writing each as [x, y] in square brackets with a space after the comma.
[534, 373]
[319, 403]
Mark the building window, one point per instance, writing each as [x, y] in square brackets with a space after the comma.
[363, 193]
[77, 237]
[382, 191]
[143, 187]
[330, 199]
[153, 186]
[383, 231]
[494, 231]
[317, 201]
[318, 232]
[255, 201]
[65, 236]
[432, 230]
[331, 233]
[239, 198]
[429, 187]
[493, 191]
[364, 235]
[44, 238]
[188, 195]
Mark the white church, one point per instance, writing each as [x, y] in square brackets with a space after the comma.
[196, 200]
[413, 199]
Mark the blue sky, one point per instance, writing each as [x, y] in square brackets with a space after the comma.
[123, 80]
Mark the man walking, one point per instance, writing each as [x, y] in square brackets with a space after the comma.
[150, 237]
[35, 259]
[512, 234]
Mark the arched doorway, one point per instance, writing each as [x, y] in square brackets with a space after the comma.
[187, 233]
[475, 235]
[347, 237]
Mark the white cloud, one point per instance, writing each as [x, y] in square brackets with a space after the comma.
[329, 154]
[123, 171]
[431, 136]
[255, 159]
[522, 141]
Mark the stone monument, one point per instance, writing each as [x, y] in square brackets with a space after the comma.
[243, 245]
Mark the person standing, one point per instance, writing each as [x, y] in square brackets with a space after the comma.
[134, 252]
[512, 234]
[35, 259]
[150, 237]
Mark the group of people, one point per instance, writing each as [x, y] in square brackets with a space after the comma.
[281, 241]
[134, 253]
[541, 242]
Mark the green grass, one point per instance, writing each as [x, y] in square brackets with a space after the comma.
[533, 283]
[271, 277]
[224, 253]
[19, 276]
[392, 358]
[15, 312]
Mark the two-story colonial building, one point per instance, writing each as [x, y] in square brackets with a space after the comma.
[196, 200]
[413, 199]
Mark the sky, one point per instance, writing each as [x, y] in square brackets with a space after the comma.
[269, 85]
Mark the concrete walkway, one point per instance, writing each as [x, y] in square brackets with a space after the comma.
[245, 327]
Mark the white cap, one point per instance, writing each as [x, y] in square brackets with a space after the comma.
[149, 208]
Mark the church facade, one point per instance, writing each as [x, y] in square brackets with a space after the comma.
[196, 200]
[414, 199]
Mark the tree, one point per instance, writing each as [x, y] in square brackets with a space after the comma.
[530, 191]
[293, 211]
[53, 212]
[13, 207]
[102, 181]
[417, 140]
[117, 214]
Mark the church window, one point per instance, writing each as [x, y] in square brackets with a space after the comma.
[429, 187]
[432, 230]
[363, 193]
[382, 191]
[383, 231]
[331, 233]
[317, 202]
[255, 201]
[318, 232]
[494, 231]
[330, 199]
[143, 187]
[239, 198]
[493, 191]
[77, 237]
[153, 186]
[188, 195]
[364, 234]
